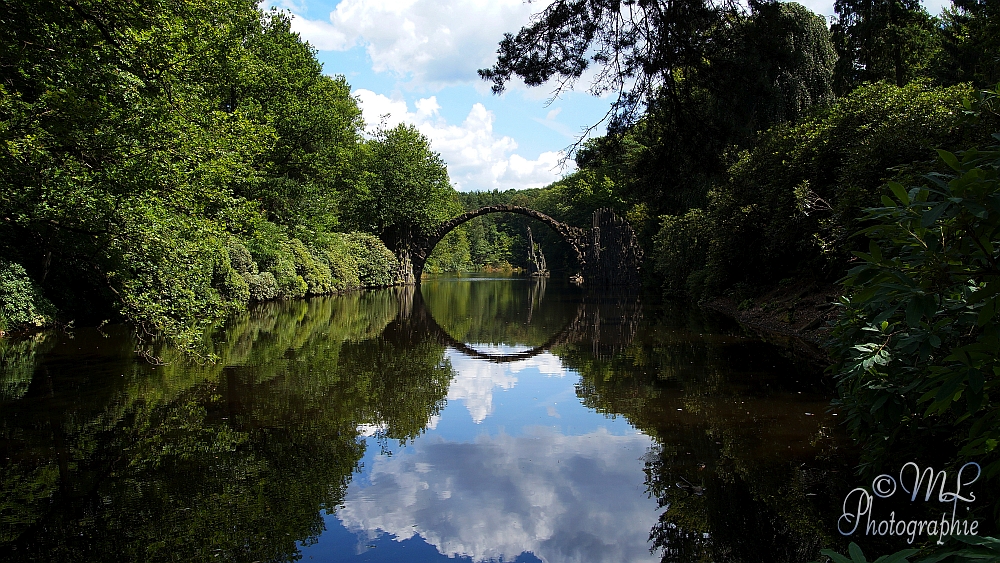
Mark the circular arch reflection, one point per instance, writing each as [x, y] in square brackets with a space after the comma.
[608, 322]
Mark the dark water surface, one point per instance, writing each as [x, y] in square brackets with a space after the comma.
[478, 418]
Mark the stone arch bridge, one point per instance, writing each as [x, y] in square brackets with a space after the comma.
[606, 322]
[607, 253]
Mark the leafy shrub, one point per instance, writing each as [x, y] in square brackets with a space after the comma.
[791, 202]
[290, 284]
[313, 271]
[336, 253]
[919, 336]
[271, 248]
[377, 265]
[171, 273]
[228, 280]
[261, 287]
[232, 285]
[240, 258]
[975, 549]
[680, 248]
[334, 262]
[21, 302]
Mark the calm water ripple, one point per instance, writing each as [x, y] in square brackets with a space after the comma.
[483, 419]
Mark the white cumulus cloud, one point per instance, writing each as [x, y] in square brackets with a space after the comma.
[478, 159]
[431, 42]
[475, 382]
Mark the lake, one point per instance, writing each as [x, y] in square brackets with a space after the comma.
[478, 418]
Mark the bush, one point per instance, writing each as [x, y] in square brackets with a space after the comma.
[680, 249]
[335, 251]
[920, 337]
[229, 280]
[334, 262]
[271, 249]
[21, 302]
[262, 287]
[313, 271]
[790, 204]
[173, 275]
[240, 258]
[377, 265]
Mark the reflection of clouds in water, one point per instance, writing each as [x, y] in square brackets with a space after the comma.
[474, 382]
[563, 498]
[369, 430]
[546, 363]
[476, 379]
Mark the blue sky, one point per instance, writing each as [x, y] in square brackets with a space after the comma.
[415, 61]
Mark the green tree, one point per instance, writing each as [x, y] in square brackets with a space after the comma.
[789, 205]
[704, 77]
[315, 122]
[407, 191]
[452, 254]
[971, 42]
[892, 40]
[118, 170]
[147, 147]
[666, 52]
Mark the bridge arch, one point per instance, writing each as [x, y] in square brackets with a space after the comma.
[576, 237]
[608, 253]
[568, 333]
[607, 320]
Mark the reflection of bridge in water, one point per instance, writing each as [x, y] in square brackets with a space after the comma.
[608, 321]
[607, 253]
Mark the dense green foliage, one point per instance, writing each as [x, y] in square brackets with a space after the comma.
[743, 171]
[961, 549]
[892, 40]
[21, 302]
[970, 43]
[168, 162]
[798, 194]
[679, 251]
[920, 335]
[406, 192]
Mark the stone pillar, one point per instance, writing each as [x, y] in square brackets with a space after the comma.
[536, 260]
[405, 274]
[613, 255]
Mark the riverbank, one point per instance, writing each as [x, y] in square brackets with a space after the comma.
[796, 316]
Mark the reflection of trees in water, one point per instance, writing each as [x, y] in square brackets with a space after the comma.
[741, 472]
[235, 460]
[510, 311]
[232, 461]
[736, 466]
[607, 322]
[17, 363]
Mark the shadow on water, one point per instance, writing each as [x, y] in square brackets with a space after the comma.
[105, 456]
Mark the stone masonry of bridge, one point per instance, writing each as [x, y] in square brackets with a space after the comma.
[606, 322]
[608, 253]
